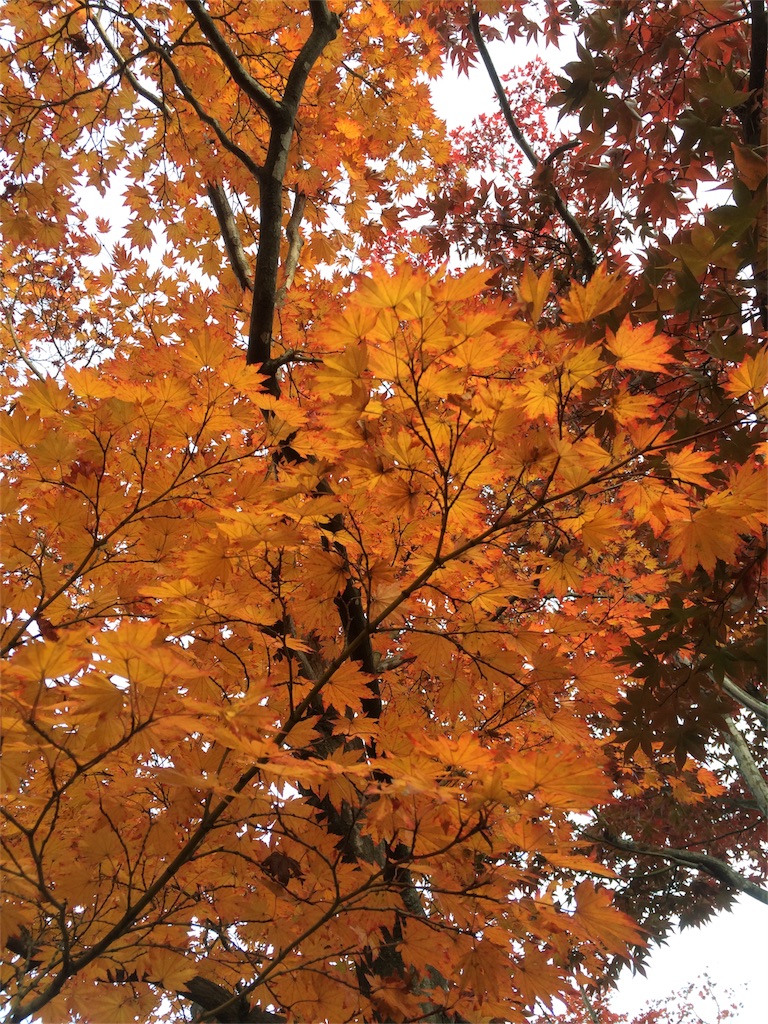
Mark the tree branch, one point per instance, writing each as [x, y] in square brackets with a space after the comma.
[750, 114]
[218, 1003]
[240, 75]
[230, 234]
[698, 861]
[746, 699]
[156, 101]
[758, 786]
[281, 116]
[325, 25]
[591, 257]
[206, 118]
[295, 243]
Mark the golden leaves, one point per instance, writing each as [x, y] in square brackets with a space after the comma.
[505, 494]
[702, 538]
[690, 466]
[558, 777]
[751, 377]
[594, 913]
[536, 291]
[600, 295]
[639, 348]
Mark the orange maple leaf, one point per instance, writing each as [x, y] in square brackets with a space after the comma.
[600, 295]
[639, 348]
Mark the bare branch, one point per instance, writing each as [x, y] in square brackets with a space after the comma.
[758, 786]
[22, 355]
[147, 94]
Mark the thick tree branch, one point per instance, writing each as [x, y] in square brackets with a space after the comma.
[758, 786]
[230, 234]
[758, 56]
[751, 117]
[214, 1002]
[591, 258]
[698, 861]
[325, 25]
[295, 242]
[746, 699]
[232, 62]
[281, 116]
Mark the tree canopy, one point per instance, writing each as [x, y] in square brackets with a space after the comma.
[383, 509]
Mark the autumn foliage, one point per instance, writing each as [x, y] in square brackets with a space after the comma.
[382, 639]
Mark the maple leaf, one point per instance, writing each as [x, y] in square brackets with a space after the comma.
[690, 466]
[639, 348]
[600, 919]
[703, 538]
[750, 376]
[536, 291]
[600, 295]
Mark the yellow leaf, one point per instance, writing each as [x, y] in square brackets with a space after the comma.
[654, 502]
[627, 408]
[18, 431]
[423, 946]
[346, 688]
[465, 753]
[580, 368]
[558, 777]
[600, 528]
[350, 326]
[689, 465]
[703, 538]
[562, 576]
[601, 922]
[465, 286]
[50, 659]
[750, 165]
[598, 296]
[745, 498]
[639, 348]
[348, 128]
[540, 398]
[580, 461]
[750, 376]
[140, 234]
[45, 396]
[536, 290]
[168, 967]
[577, 862]
[382, 291]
